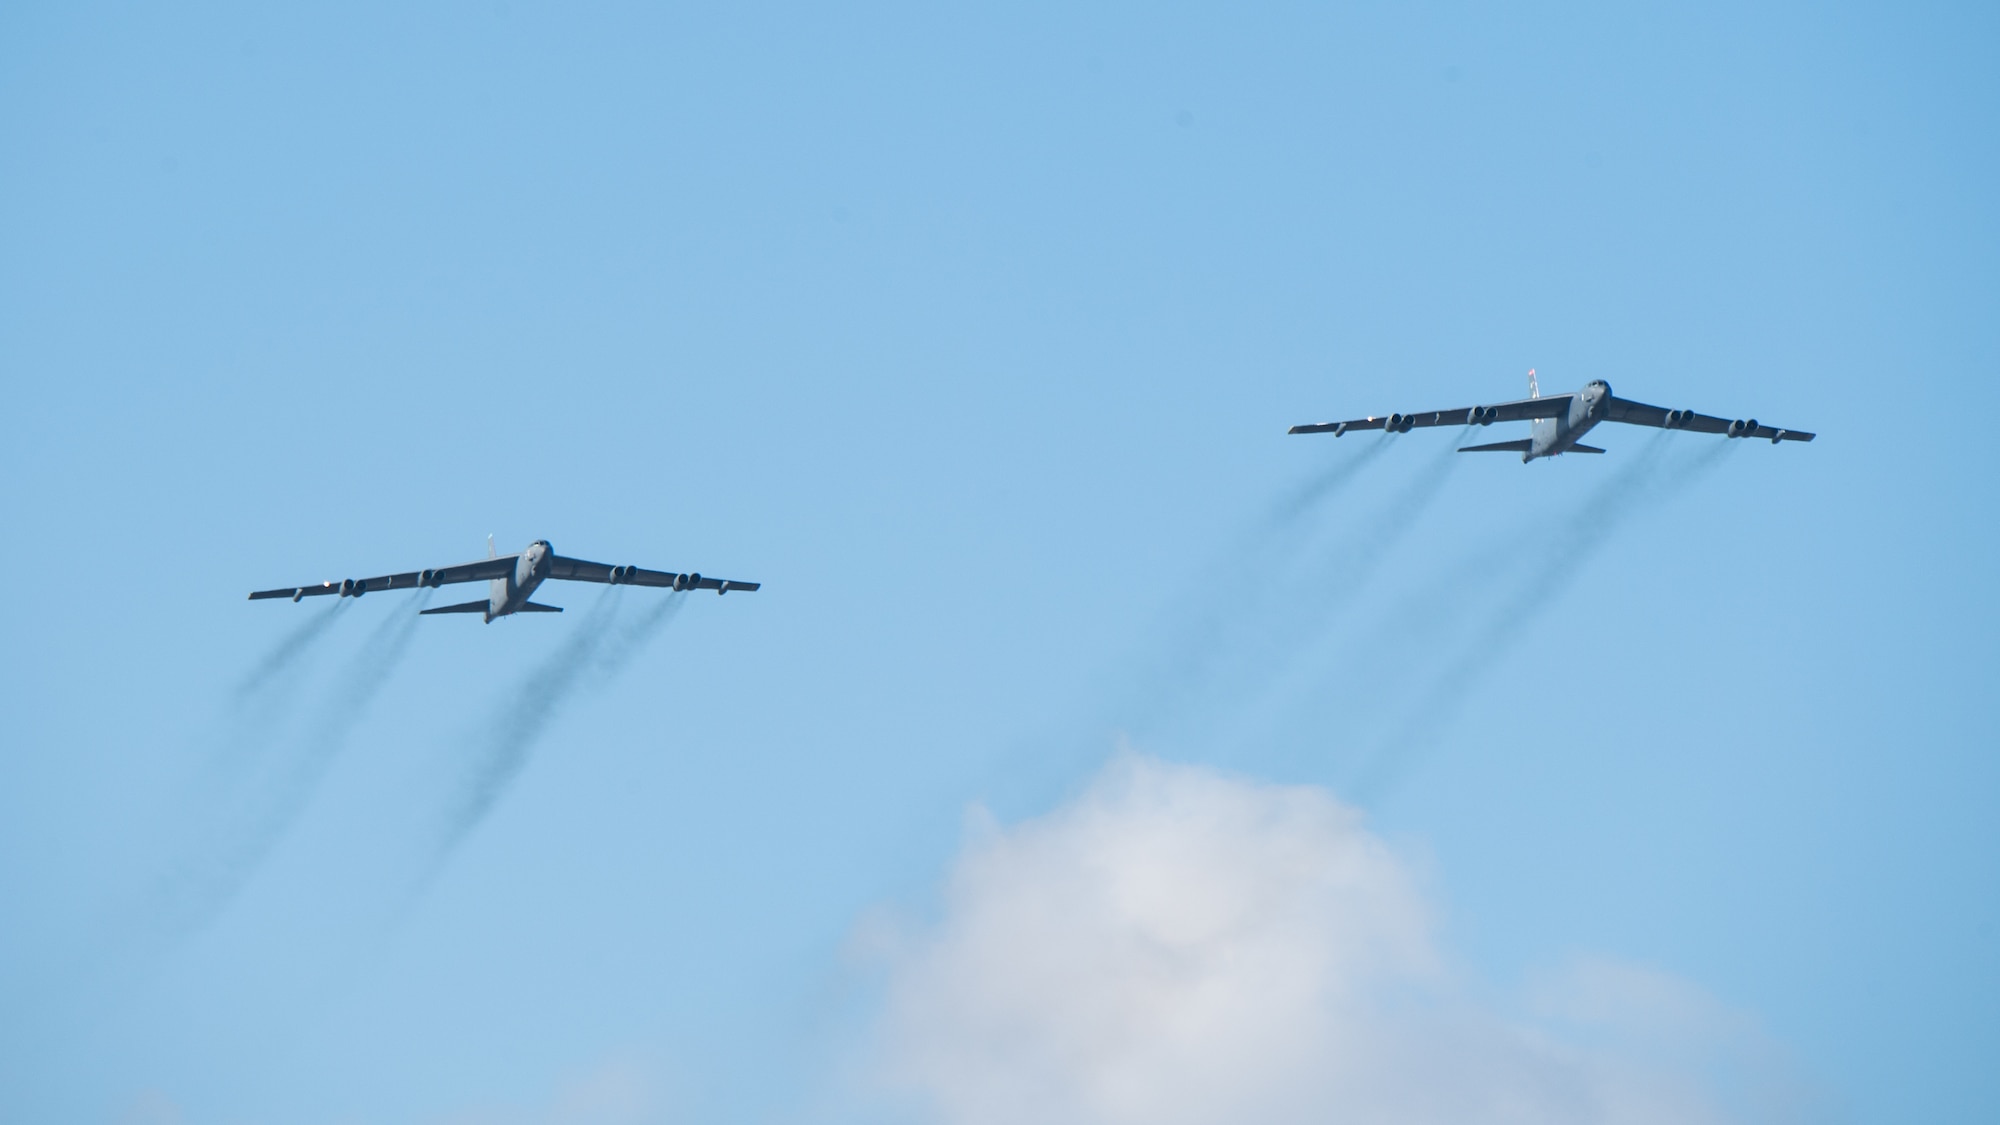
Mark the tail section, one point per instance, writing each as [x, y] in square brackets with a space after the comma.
[1534, 388]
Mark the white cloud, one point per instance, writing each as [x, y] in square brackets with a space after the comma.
[1177, 946]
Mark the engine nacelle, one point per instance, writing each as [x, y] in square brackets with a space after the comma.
[1750, 427]
[349, 588]
[620, 574]
[428, 578]
[1736, 428]
[680, 582]
[1673, 419]
[694, 581]
[1397, 424]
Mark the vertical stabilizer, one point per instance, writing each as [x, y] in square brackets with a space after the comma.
[1534, 388]
[493, 554]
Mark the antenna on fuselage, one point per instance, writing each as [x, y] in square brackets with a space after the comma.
[490, 552]
[1534, 388]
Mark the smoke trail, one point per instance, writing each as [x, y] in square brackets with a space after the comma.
[1239, 647]
[1640, 486]
[366, 674]
[1322, 486]
[503, 750]
[259, 806]
[594, 652]
[286, 653]
[264, 697]
[239, 809]
[1366, 551]
[623, 644]
[1337, 578]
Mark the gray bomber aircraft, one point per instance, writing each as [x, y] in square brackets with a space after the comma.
[513, 579]
[1559, 420]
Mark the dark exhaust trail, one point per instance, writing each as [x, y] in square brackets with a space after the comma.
[241, 805]
[1641, 486]
[1322, 486]
[260, 805]
[622, 645]
[286, 653]
[1342, 574]
[265, 696]
[503, 750]
[1294, 590]
[597, 648]
[596, 651]
[1366, 550]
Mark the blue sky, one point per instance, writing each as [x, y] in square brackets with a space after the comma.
[974, 336]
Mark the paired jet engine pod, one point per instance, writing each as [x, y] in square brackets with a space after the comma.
[428, 578]
[1482, 415]
[686, 581]
[1400, 423]
[1743, 428]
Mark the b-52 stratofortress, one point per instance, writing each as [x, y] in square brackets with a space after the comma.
[1559, 420]
[513, 579]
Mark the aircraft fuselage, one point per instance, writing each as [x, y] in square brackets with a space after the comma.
[1552, 436]
[507, 595]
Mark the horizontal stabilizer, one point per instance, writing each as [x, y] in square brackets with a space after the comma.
[1583, 449]
[1499, 447]
[479, 606]
[536, 607]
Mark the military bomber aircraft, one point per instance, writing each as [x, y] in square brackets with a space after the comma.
[1559, 420]
[512, 580]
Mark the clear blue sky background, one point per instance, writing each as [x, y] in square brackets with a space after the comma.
[974, 336]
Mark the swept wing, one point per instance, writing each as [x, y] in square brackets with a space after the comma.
[479, 571]
[1641, 414]
[583, 570]
[1520, 410]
